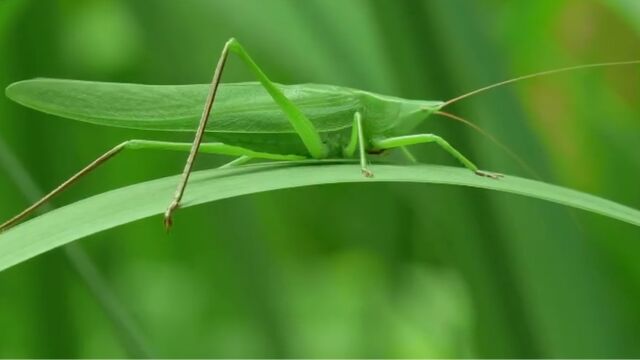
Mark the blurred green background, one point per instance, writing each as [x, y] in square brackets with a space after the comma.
[353, 270]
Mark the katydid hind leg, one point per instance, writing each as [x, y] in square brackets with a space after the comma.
[407, 140]
[130, 144]
[213, 89]
[243, 154]
[302, 125]
[73, 179]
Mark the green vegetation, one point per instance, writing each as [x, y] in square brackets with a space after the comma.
[393, 269]
[139, 201]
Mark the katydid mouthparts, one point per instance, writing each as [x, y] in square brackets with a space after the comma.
[285, 122]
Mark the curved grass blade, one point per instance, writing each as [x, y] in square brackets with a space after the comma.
[127, 204]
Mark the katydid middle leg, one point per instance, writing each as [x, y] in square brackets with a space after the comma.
[357, 141]
[401, 141]
[301, 124]
[239, 161]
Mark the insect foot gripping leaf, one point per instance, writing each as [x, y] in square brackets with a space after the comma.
[489, 174]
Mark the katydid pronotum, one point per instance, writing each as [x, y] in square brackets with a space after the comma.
[285, 122]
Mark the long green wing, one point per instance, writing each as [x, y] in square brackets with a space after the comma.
[239, 107]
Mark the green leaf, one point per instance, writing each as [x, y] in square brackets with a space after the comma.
[127, 204]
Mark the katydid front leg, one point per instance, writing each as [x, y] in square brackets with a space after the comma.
[401, 141]
[301, 124]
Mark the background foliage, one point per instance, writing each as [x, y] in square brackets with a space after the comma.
[382, 270]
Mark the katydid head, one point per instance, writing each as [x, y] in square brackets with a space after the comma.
[413, 112]
[390, 115]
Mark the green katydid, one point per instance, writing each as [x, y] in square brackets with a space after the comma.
[285, 122]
